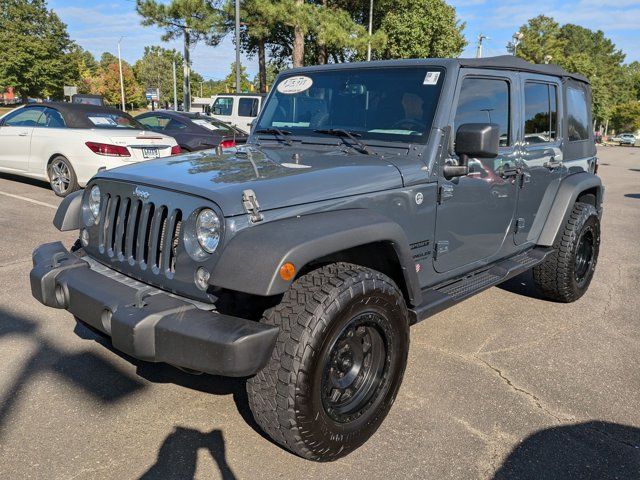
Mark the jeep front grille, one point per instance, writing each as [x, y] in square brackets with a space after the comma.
[140, 233]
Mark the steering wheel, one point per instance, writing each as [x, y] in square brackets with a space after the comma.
[410, 123]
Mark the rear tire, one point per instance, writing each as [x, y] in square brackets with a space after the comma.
[62, 177]
[566, 274]
[338, 361]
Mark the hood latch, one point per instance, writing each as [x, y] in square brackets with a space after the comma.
[251, 206]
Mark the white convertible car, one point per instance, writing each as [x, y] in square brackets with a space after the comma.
[66, 143]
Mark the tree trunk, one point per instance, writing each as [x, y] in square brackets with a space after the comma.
[322, 48]
[262, 66]
[186, 87]
[298, 41]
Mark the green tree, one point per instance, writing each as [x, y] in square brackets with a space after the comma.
[193, 20]
[82, 67]
[107, 84]
[540, 38]
[230, 80]
[626, 117]
[420, 29]
[34, 43]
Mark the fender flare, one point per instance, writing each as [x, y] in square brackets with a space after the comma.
[251, 261]
[568, 191]
[67, 216]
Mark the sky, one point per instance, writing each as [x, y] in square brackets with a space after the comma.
[98, 25]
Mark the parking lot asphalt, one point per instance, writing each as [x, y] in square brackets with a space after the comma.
[504, 385]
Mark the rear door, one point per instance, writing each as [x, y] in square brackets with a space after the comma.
[475, 212]
[542, 161]
[248, 109]
[15, 137]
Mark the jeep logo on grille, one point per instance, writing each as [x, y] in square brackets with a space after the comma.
[141, 194]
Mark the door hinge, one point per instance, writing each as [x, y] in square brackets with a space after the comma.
[520, 224]
[251, 206]
[445, 191]
[441, 247]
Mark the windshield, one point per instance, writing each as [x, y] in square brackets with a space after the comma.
[113, 120]
[389, 104]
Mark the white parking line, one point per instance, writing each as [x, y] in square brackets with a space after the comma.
[37, 202]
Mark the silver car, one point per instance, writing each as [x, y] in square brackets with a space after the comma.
[627, 139]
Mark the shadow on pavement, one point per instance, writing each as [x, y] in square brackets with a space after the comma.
[634, 169]
[28, 181]
[592, 450]
[522, 285]
[163, 373]
[632, 195]
[178, 455]
[85, 370]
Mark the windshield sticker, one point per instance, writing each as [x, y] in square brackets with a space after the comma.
[103, 121]
[292, 85]
[205, 124]
[431, 78]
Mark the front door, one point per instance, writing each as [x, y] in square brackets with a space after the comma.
[15, 137]
[542, 164]
[475, 212]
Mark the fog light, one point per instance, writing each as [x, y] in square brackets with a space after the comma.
[202, 278]
[84, 237]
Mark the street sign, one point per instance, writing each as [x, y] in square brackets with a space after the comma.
[70, 91]
[151, 93]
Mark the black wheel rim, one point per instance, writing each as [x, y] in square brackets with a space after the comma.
[584, 256]
[354, 369]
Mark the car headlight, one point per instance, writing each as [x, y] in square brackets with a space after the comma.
[94, 201]
[208, 230]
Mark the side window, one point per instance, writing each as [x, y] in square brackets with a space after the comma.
[175, 125]
[25, 117]
[578, 116]
[248, 107]
[223, 106]
[52, 119]
[484, 100]
[540, 113]
[152, 122]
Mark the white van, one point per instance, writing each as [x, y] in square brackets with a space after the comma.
[238, 109]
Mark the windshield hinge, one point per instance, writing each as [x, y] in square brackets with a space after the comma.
[251, 206]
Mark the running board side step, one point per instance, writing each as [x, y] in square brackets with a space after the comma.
[443, 296]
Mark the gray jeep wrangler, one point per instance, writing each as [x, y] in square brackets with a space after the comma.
[369, 197]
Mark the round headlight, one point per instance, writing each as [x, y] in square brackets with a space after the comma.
[94, 201]
[208, 230]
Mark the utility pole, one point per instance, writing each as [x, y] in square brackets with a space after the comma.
[481, 37]
[370, 30]
[517, 38]
[186, 85]
[175, 88]
[237, 46]
[121, 81]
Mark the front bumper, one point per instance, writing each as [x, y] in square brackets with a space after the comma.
[148, 323]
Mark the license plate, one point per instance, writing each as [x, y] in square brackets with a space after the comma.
[150, 152]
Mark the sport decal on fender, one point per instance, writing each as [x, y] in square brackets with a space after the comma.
[292, 85]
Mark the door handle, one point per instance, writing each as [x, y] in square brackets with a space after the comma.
[506, 172]
[23, 134]
[551, 164]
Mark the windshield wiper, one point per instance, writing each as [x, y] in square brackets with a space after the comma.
[278, 133]
[339, 132]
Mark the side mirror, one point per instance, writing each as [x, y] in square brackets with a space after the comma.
[207, 110]
[478, 140]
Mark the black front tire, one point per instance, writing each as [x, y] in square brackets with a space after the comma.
[62, 176]
[565, 275]
[341, 325]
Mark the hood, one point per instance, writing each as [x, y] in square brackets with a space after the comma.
[277, 180]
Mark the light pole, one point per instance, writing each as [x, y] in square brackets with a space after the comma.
[481, 37]
[517, 38]
[121, 81]
[370, 30]
[175, 88]
[237, 46]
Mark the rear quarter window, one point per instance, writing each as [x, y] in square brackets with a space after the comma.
[577, 115]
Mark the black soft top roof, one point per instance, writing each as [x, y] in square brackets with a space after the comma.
[502, 62]
[75, 114]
